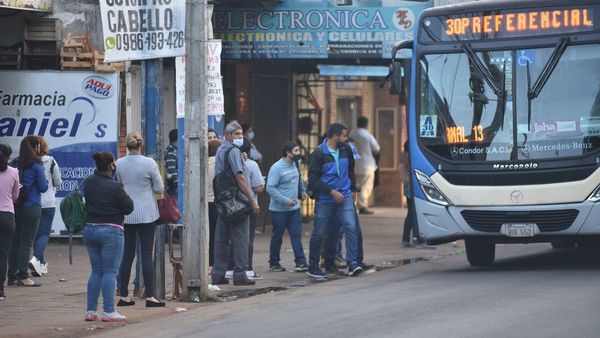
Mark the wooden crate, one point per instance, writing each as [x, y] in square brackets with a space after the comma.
[80, 43]
[11, 59]
[76, 60]
[41, 48]
[43, 29]
[102, 67]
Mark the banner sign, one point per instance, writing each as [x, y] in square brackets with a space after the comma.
[77, 118]
[316, 29]
[144, 29]
[30, 5]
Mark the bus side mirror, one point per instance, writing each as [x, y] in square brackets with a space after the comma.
[396, 78]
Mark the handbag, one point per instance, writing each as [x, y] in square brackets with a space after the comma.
[231, 203]
[167, 210]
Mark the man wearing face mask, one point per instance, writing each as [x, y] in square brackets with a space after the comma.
[331, 177]
[253, 154]
[286, 189]
[234, 232]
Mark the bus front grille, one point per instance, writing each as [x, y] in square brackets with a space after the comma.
[547, 221]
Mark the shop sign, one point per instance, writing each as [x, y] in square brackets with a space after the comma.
[316, 29]
[77, 118]
[136, 30]
[30, 5]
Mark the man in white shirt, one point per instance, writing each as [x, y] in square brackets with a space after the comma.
[368, 148]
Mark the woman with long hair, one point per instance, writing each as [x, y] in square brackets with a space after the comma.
[9, 192]
[37, 264]
[27, 211]
[141, 180]
[106, 203]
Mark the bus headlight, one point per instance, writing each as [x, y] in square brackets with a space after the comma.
[432, 193]
[595, 196]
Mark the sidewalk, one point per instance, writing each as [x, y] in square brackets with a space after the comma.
[56, 309]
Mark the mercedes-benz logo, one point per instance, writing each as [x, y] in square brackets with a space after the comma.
[516, 196]
[454, 151]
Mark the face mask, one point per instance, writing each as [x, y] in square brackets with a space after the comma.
[296, 158]
[250, 135]
[238, 142]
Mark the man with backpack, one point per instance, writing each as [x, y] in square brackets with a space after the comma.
[232, 228]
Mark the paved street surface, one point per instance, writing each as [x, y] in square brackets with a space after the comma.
[56, 309]
[533, 291]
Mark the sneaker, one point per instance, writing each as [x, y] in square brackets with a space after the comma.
[421, 245]
[229, 274]
[276, 267]
[340, 262]
[301, 267]
[366, 211]
[2, 295]
[253, 275]
[44, 268]
[406, 245]
[316, 273]
[332, 269]
[92, 316]
[246, 281]
[366, 267]
[356, 271]
[113, 317]
[36, 267]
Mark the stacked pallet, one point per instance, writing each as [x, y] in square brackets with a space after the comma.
[11, 58]
[41, 43]
[77, 53]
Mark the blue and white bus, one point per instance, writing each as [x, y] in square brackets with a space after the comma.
[504, 123]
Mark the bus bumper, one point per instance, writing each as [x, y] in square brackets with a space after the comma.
[439, 224]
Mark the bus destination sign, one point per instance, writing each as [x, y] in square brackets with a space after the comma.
[509, 24]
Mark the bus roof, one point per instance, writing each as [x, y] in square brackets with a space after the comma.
[491, 5]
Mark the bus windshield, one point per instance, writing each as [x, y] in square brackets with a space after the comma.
[462, 117]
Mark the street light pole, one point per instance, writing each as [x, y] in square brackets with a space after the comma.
[195, 243]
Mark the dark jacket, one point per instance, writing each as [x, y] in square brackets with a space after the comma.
[105, 200]
[323, 175]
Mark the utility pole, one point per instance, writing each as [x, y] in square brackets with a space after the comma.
[195, 240]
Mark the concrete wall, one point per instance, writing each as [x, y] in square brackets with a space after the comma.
[80, 17]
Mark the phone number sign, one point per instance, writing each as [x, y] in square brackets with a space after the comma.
[136, 30]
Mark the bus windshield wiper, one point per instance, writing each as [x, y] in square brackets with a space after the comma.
[535, 90]
[498, 89]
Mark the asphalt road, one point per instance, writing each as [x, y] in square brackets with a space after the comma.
[531, 291]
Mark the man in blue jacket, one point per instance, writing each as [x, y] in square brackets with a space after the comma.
[331, 179]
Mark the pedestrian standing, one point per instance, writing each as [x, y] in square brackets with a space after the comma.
[106, 204]
[213, 145]
[286, 189]
[331, 178]
[212, 134]
[234, 232]
[9, 192]
[368, 148]
[28, 210]
[171, 164]
[38, 264]
[141, 180]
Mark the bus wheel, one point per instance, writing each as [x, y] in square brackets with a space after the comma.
[563, 243]
[480, 252]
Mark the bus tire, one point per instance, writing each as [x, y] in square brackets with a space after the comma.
[563, 243]
[480, 252]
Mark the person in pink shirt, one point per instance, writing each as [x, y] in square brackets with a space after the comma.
[9, 192]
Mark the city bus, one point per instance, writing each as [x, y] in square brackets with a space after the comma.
[504, 123]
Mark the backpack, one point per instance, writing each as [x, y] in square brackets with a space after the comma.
[231, 203]
[72, 211]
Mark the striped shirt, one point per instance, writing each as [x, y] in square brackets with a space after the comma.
[171, 166]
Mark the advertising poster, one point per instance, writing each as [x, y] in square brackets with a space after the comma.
[30, 5]
[76, 112]
[316, 29]
[136, 30]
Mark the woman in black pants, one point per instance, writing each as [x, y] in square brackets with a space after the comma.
[141, 180]
[9, 192]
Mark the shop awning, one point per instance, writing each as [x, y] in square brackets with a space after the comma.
[338, 70]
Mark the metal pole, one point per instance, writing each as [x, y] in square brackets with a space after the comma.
[195, 254]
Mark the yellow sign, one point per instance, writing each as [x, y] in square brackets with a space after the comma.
[457, 134]
[530, 21]
[31, 5]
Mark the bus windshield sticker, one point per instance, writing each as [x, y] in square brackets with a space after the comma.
[428, 126]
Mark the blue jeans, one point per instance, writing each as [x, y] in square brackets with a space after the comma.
[333, 242]
[105, 247]
[43, 233]
[325, 216]
[292, 221]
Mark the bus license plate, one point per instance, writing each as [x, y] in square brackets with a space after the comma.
[520, 230]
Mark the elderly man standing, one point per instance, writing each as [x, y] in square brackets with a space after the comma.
[368, 148]
[235, 231]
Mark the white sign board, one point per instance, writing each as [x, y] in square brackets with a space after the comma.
[77, 118]
[215, 103]
[145, 29]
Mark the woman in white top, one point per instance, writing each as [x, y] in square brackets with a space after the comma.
[38, 264]
[141, 179]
